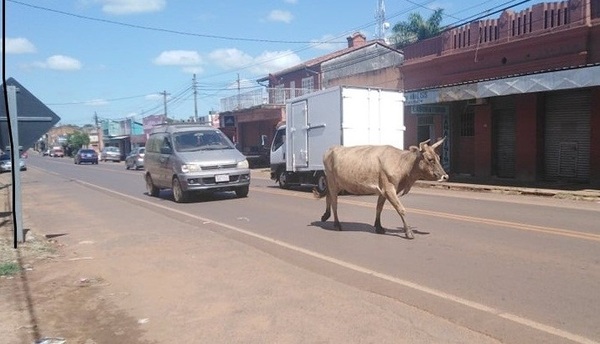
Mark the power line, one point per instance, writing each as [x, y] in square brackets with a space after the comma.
[142, 27]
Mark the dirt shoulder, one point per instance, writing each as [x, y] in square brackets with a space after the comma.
[100, 278]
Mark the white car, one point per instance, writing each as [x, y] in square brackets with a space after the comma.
[6, 163]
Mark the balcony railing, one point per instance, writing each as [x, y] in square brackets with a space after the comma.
[262, 96]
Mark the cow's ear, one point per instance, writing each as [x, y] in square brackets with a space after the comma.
[436, 145]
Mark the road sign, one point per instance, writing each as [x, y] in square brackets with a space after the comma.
[34, 117]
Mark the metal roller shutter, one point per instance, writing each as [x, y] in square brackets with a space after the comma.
[567, 136]
[504, 137]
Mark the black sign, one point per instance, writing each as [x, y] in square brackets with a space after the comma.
[228, 121]
[34, 117]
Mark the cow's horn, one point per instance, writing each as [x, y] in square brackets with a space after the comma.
[435, 145]
[422, 144]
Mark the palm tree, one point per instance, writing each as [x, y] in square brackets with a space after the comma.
[416, 28]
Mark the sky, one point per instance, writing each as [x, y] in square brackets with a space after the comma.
[117, 59]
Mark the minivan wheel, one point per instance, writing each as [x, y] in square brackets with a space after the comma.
[152, 189]
[242, 191]
[179, 195]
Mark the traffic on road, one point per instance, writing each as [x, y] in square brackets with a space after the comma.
[525, 263]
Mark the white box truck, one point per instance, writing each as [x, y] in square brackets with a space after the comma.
[342, 115]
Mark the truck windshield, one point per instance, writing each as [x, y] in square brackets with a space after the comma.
[201, 140]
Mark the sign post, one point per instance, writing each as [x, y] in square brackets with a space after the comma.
[16, 163]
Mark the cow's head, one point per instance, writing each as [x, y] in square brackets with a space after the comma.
[430, 166]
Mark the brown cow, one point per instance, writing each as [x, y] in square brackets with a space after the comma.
[382, 170]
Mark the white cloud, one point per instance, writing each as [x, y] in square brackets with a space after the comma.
[267, 62]
[280, 16]
[18, 46]
[230, 58]
[119, 7]
[186, 58]
[59, 62]
[275, 61]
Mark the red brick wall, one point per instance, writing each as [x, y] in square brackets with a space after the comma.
[483, 141]
[526, 136]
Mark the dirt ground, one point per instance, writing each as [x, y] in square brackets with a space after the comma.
[45, 302]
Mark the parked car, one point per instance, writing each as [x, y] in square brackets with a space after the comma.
[111, 154]
[57, 152]
[6, 163]
[135, 159]
[191, 158]
[85, 155]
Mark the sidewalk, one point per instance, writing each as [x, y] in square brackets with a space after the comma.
[507, 186]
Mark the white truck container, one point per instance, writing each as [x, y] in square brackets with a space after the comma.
[342, 115]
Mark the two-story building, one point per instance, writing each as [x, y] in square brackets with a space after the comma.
[250, 119]
[518, 97]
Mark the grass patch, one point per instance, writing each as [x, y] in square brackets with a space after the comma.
[9, 269]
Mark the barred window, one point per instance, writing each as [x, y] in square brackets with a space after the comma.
[467, 123]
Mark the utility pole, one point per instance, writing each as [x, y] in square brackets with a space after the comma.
[194, 85]
[98, 132]
[165, 94]
[239, 96]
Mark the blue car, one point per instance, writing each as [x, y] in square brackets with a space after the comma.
[86, 155]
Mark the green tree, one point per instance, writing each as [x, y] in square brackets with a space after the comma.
[77, 140]
[416, 28]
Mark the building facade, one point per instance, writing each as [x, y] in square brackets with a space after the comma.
[250, 119]
[518, 97]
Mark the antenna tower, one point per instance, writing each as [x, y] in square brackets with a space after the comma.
[382, 25]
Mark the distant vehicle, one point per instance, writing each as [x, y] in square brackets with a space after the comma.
[6, 163]
[46, 153]
[57, 152]
[192, 158]
[135, 159]
[85, 155]
[111, 154]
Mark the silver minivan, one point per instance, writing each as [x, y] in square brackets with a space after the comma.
[193, 158]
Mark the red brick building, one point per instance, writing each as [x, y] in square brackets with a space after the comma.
[518, 97]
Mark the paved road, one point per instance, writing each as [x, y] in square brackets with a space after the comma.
[315, 289]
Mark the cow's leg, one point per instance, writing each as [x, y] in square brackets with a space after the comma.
[327, 212]
[380, 203]
[393, 198]
[334, 204]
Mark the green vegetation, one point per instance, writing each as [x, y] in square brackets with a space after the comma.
[416, 29]
[9, 269]
[77, 140]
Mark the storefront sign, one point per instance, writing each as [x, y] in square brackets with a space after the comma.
[422, 97]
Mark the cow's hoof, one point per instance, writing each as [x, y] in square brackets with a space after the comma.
[325, 216]
[337, 226]
[409, 234]
[379, 230]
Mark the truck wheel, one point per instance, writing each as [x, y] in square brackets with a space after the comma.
[283, 183]
[321, 183]
[242, 192]
[152, 190]
[179, 195]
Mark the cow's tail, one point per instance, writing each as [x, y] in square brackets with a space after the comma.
[318, 194]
